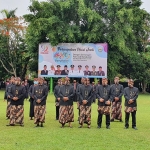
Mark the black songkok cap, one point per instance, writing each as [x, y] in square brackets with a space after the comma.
[72, 66]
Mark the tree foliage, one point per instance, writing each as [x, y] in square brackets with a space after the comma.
[120, 23]
[13, 49]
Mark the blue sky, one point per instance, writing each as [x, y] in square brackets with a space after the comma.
[22, 6]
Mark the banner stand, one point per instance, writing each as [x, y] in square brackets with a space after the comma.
[51, 85]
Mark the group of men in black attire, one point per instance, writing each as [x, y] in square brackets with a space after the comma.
[16, 93]
[109, 101]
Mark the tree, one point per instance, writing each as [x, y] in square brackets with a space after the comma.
[9, 14]
[137, 63]
[74, 23]
[117, 22]
[12, 45]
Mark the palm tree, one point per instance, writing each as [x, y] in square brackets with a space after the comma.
[9, 14]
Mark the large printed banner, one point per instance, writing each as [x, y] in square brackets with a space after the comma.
[73, 60]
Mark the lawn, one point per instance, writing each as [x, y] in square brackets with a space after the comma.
[52, 137]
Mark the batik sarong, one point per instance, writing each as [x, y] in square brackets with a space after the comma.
[130, 109]
[85, 114]
[39, 114]
[116, 111]
[16, 114]
[8, 110]
[66, 114]
[104, 110]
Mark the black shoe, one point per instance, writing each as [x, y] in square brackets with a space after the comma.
[37, 125]
[10, 125]
[42, 125]
[111, 120]
[22, 125]
[135, 128]
[98, 127]
[107, 127]
[62, 126]
[121, 120]
[126, 127]
[56, 118]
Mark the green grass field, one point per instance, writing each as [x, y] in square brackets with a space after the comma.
[52, 137]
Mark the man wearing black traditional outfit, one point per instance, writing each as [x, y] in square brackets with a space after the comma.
[117, 92]
[40, 93]
[66, 113]
[104, 103]
[75, 85]
[131, 95]
[26, 84]
[8, 89]
[31, 100]
[85, 103]
[6, 84]
[78, 95]
[16, 95]
[57, 97]
[94, 92]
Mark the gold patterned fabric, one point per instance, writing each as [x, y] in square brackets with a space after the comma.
[130, 109]
[116, 111]
[66, 114]
[39, 114]
[16, 114]
[104, 110]
[85, 114]
[8, 110]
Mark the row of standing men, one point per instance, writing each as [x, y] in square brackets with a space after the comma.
[65, 94]
[109, 101]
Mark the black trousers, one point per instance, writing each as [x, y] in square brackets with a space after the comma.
[127, 116]
[57, 112]
[31, 113]
[99, 120]
[78, 112]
